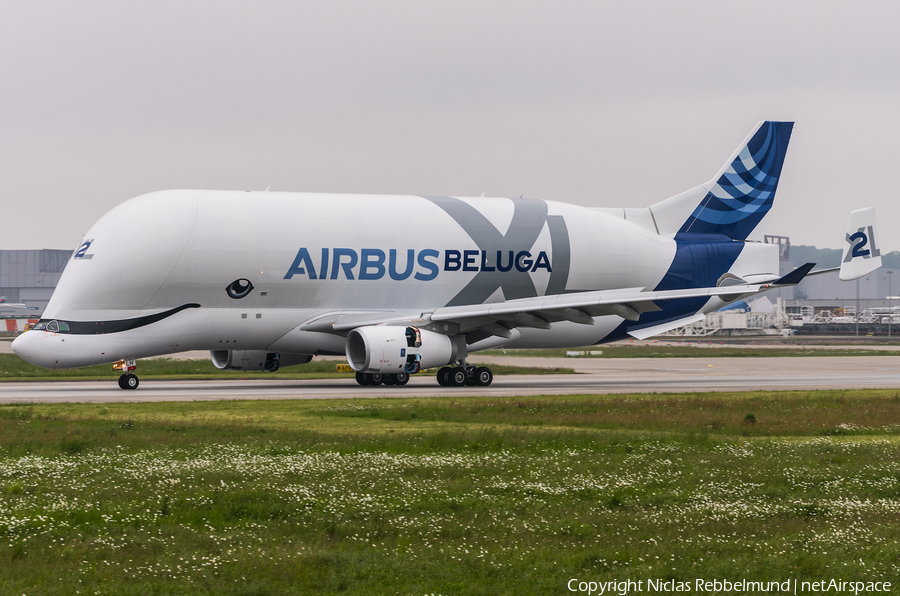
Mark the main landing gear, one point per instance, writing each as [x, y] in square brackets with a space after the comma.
[467, 374]
[381, 379]
[448, 376]
[128, 380]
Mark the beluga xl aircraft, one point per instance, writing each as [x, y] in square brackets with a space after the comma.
[399, 284]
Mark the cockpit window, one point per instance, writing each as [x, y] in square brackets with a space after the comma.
[54, 326]
[100, 327]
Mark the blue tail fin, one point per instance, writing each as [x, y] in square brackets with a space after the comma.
[744, 191]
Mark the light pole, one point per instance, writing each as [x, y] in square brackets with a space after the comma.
[857, 307]
[890, 312]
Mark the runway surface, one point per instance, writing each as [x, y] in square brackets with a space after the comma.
[600, 375]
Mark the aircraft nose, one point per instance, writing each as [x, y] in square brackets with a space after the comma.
[25, 347]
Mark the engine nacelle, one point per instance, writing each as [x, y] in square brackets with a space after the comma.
[390, 350]
[255, 360]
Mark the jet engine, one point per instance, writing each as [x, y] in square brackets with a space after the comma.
[255, 360]
[391, 350]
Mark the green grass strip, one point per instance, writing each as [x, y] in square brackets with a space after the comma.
[471, 495]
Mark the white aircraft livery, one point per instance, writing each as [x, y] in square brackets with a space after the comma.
[5, 304]
[402, 283]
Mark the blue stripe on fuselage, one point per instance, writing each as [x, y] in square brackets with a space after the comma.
[700, 260]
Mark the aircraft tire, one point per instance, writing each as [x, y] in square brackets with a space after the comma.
[458, 377]
[388, 379]
[401, 378]
[122, 384]
[131, 381]
[376, 378]
[483, 376]
[442, 376]
[362, 378]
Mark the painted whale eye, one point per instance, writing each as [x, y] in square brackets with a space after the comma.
[239, 288]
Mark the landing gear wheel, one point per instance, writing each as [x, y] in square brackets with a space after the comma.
[388, 379]
[131, 381]
[401, 378]
[376, 378]
[442, 376]
[483, 376]
[458, 377]
[362, 378]
[128, 380]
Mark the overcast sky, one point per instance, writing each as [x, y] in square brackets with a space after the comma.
[607, 104]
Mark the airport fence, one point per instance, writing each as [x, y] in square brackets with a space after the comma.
[13, 326]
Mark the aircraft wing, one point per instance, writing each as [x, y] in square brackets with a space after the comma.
[629, 301]
[581, 307]
[540, 312]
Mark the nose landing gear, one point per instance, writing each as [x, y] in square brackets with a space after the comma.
[128, 380]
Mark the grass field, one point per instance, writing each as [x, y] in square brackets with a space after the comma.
[448, 496]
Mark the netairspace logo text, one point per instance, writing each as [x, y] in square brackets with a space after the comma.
[719, 586]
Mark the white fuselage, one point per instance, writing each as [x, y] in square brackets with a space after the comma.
[308, 255]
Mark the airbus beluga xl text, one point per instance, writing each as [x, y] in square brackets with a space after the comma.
[404, 283]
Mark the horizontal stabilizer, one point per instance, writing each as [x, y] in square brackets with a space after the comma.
[821, 271]
[861, 254]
